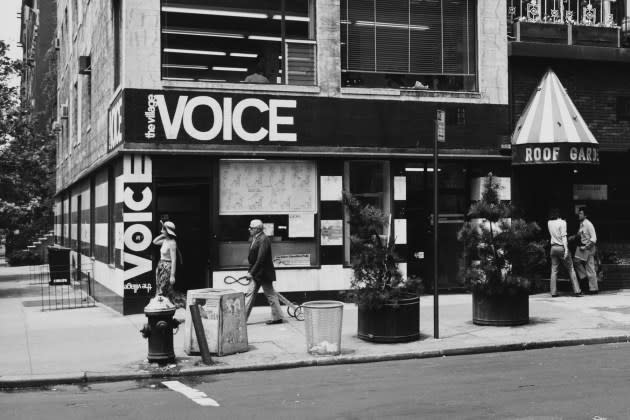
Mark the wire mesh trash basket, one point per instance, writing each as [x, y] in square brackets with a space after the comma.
[323, 320]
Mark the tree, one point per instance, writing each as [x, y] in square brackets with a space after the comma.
[501, 253]
[27, 161]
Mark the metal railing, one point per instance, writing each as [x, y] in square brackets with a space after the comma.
[64, 289]
[572, 12]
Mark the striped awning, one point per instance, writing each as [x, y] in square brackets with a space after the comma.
[551, 130]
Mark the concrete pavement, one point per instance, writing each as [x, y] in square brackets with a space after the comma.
[98, 344]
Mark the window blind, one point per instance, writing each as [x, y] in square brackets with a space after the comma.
[409, 36]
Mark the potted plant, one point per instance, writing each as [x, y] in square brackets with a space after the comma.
[501, 257]
[388, 303]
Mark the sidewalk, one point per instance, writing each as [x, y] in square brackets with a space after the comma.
[98, 344]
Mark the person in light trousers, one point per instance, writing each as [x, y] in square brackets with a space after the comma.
[559, 253]
[585, 252]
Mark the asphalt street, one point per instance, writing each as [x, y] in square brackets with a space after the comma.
[584, 382]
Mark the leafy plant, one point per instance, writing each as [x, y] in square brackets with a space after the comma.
[377, 279]
[27, 156]
[501, 254]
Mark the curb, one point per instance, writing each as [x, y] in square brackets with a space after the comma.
[33, 381]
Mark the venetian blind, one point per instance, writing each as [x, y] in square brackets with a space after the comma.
[409, 36]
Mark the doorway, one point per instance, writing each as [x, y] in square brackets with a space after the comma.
[187, 205]
[452, 207]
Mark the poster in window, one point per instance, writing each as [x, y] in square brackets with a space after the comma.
[332, 232]
[301, 225]
[267, 187]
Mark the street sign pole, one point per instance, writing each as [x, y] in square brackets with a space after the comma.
[439, 138]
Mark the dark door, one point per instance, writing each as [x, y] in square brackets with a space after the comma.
[420, 224]
[187, 205]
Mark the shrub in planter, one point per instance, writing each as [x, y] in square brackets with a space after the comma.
[388, 303]
[502, 256]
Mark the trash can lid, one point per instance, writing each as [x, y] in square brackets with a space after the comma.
[159, 304]
[322, 304]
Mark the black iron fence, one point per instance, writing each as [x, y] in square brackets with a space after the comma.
[64, 289]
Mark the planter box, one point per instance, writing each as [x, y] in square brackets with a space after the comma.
[390, 323]
[501, 310]
[596, 36]
[553, 33]
[559, 33]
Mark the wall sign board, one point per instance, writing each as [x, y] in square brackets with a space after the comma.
[208, 119]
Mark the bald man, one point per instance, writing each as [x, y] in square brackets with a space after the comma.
[261, 268]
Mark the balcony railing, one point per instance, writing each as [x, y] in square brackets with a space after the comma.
[572, 12]
[570, 22]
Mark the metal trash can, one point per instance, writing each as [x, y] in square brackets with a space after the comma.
[323, 319]
[59, 264]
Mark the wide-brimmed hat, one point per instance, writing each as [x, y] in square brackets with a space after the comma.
[170, 228]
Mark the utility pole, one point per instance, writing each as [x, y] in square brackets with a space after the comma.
[440, 137]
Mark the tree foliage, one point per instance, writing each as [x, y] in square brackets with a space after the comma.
[377, 279]
[27, 161]
[502, 254]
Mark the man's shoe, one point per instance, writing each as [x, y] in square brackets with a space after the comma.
[578, 294]
[556, 295]
[274, 321]
[593, 292]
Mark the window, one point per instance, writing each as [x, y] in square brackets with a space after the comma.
[369, 182]
[623, 108]
[111, 225]
[283, 194]
[252, 41]
[415, 44]
[117, 22]
[76, 136]
[75, 16]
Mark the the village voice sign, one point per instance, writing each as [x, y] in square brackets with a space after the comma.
[175, 116]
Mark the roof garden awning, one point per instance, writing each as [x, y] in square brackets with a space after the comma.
[551, 130]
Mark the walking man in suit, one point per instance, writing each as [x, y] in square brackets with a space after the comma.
[261, 269]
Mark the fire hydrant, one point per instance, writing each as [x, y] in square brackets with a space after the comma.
[159, 329]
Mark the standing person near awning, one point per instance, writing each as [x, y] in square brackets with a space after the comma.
[560, 253]
[585, 252]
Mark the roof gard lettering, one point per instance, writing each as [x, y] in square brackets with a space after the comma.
[227, 118]
[542, 154]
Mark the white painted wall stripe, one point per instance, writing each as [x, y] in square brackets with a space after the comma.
[100, 234]
[400, 188]
[100, 194]
[197, 396]
[400, 231]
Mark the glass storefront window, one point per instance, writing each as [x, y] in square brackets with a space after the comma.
[369, 182]
[251, 41]
[283, 194]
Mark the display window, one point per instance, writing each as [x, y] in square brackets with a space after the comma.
[283, 194]
[369, 182]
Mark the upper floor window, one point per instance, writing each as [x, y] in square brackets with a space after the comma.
[417, 44]
[251, 41]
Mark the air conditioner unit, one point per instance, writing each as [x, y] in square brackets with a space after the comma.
[85, 64]
[64, 111]
[56, 127]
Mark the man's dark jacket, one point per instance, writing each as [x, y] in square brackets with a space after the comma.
[261, 261]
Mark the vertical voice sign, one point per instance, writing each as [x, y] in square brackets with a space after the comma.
[137, 218]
